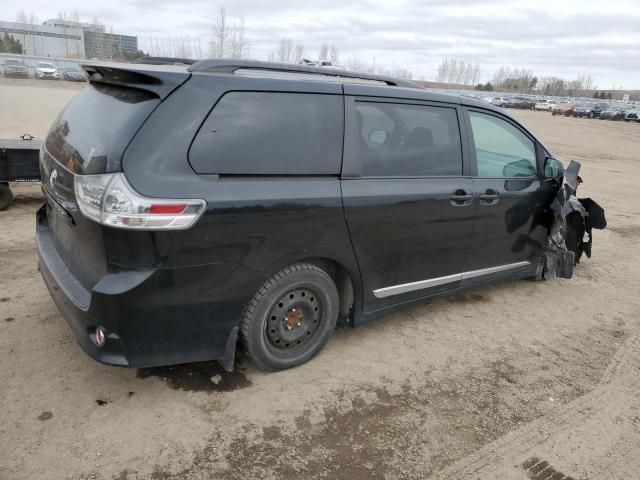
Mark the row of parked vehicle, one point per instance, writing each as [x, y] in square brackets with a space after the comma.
[571, 107]
[42, 70]
[603, 111]
[512, 102]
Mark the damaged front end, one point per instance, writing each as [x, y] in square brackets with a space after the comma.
[571, 232]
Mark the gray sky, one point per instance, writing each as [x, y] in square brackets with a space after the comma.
[565, 38]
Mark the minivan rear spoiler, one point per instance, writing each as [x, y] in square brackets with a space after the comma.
[159, 80]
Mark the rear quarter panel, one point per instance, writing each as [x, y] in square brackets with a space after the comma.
[263, 223]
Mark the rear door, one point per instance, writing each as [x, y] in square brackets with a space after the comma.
[511, 197]
[407, 197]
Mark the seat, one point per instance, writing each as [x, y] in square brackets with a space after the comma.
[416, 151]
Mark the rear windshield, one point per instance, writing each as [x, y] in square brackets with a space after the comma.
[273, 133]
[90, 135]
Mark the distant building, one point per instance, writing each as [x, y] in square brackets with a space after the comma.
[99, 44]
[67, 39]
[46, 40]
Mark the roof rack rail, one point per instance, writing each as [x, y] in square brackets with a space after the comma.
[163, 61]
[230, 66]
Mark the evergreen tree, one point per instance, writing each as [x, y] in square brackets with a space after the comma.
[8, 44]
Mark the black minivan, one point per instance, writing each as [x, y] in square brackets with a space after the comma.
[192, 207]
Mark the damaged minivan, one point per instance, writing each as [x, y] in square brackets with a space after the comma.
[192, 208]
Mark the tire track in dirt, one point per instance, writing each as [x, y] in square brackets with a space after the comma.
[607, 419]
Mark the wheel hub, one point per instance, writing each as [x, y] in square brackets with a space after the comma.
[293, 320]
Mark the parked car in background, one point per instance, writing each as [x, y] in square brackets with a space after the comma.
[499, 101]
[598, 108]
[632, 115]
[613, 113]
[74, 74]
[46, 70]
[15, 68]
[563, 108]
[543, 104]
[522, 103]
[583, 110]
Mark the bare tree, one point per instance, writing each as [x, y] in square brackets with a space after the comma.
[239, 42]
[458, 72]
[220, 34]
[30, 20]
[299, 52]
[443, 71]
[324, 52]
[476, 74]
[182, 47]
[285, 51]
[75, 18]
[99, 50]
[403, 74]
[62, 18]
[356, 65]
[334, 55]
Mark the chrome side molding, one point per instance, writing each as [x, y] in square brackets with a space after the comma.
[435, 282]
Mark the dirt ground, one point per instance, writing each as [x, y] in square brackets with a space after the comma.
[505, 382]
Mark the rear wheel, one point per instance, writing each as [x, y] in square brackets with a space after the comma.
[6, 196]
[290, 318]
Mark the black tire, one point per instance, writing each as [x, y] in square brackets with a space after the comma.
[6, 196]
[290, 318]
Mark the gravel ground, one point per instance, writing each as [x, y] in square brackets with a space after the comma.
[505, 382]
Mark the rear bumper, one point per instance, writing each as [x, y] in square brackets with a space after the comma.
[158, 316]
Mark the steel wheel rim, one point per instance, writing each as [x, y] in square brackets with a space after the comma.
[293, 321]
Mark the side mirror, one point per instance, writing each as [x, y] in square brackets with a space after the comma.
[519, 168]
[377, 137]
[552, 168]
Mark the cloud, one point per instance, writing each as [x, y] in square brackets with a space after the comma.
[568, 38]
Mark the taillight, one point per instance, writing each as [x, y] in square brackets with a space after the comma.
[110, 200]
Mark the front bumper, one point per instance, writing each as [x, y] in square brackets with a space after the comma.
[152, 317]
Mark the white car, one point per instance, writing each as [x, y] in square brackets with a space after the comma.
[543, 105]
[632, 115]
[499, 101]
[46, 70]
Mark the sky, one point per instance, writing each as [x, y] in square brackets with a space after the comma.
[564, 38]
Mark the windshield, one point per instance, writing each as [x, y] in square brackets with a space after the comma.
[45, 65]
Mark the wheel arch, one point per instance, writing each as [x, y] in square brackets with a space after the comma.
[346, 284]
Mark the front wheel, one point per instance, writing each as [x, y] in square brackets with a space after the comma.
[290, 318]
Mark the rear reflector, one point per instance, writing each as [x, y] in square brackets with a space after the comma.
[110, 200]
[158, 208]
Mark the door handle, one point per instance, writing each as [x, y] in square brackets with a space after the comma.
[490, 197]
[461, 198]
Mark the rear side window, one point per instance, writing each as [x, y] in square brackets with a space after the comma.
[92, 132]
[271, 133]
[501, 149]
[399, 140]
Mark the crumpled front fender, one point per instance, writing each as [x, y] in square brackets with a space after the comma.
[573, 222]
